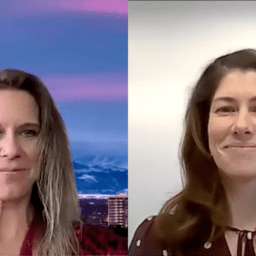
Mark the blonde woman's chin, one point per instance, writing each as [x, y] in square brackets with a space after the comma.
[16, 197]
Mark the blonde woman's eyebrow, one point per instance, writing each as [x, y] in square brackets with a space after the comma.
[30, 124]
[27, 124]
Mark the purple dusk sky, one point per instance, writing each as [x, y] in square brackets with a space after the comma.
[79, 48]
[109, 6]
[88, 88]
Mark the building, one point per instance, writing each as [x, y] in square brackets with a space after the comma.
[97, 218]
[118, 210]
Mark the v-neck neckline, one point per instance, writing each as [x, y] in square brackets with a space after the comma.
[35, 227]
[226, 245]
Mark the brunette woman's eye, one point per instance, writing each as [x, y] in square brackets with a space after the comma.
[225, 109]
[30, 133]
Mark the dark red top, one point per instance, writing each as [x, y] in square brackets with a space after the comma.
[95, 240]
[145, 243]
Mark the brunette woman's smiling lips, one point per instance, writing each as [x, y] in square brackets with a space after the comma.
[240, 145]
[241, 149]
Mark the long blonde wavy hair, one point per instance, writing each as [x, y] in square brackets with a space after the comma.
[54, 194]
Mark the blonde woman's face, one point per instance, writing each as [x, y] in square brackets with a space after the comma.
[232, 125]
[19, 129]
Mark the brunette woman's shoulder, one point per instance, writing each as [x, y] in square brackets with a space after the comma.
[145, 241]
[98, 240]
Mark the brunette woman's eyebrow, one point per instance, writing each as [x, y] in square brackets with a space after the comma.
[230, 99]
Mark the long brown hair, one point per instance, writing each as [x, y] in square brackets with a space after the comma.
[200, 210]
[54, 195]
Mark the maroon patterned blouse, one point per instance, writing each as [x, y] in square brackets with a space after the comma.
[94, 240]
[145, 243]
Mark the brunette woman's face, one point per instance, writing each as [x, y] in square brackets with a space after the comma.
[232, 125]
[19, 129]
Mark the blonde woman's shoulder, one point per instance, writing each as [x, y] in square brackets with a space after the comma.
[97, 240]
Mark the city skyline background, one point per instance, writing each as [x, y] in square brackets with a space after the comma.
[79, 49]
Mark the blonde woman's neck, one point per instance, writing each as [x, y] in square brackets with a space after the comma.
[15, 219]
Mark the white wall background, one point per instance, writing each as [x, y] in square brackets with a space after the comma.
[170, 43]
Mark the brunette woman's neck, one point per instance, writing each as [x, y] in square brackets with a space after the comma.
[241, 196]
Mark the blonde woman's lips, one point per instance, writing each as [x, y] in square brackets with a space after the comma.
[12, 170]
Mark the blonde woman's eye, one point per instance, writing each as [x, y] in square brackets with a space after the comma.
[30, 133]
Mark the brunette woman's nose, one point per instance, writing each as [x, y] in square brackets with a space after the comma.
[243, 125]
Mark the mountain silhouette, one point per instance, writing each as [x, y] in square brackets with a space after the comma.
[100, 179]
[100, 167]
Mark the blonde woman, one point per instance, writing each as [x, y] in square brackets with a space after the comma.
[39, 212]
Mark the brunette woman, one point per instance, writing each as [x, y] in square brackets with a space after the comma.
[215, 213]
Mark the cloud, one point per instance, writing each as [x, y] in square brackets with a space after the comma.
[116, 6]
[111, 191]
[104, 164]
[88, 178]
[82, 88]
[103, 161]
[102, 169]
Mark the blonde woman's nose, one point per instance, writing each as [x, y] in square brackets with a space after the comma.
[9, 147]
